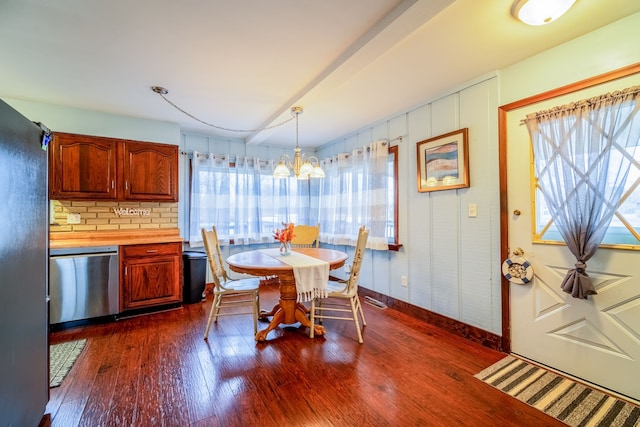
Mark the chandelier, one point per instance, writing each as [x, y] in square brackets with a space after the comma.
[302, 169]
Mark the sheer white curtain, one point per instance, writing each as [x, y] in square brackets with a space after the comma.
[283, 200]
[210, 201]
[275, 202]
[355, 193]
[246, 219]
[244, 201]
[583, 153]
[246, 204]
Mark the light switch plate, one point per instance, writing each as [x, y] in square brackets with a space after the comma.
[473, 210]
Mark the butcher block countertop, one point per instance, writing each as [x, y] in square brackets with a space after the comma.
[62, 240]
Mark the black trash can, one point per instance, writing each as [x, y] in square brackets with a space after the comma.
[195, 276]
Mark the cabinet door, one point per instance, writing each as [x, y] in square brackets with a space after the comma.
[82, 167]
[150, 171]
[151, 275]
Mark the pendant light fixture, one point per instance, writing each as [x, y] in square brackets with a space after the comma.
[540, 12]
[302, 169]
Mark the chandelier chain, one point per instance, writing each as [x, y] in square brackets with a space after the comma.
[296, 113]
[160, 92]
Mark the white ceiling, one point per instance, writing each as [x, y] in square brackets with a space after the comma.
[243, 64]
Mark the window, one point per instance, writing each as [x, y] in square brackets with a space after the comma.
[587, 170]
[353, 193]
[625, 226]
[246, 203]
[242, 199]
[392, 188]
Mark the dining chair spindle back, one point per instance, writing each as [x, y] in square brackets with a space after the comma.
[228, 293]
[342, 301]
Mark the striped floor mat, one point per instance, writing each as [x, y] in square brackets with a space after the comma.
[566, 400]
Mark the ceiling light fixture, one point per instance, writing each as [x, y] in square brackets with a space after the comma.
[540, 12]
[302, 169]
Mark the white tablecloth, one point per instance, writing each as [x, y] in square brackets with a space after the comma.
[311, 274]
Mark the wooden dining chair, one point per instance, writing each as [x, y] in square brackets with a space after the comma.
[342, 302]
[306, 236]
[228, 292]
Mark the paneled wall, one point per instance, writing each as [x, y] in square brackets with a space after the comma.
[452, 261]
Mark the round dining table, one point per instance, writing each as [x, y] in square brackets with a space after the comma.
[288, 310]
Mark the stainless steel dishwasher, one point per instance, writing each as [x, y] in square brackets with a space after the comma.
[83, 283]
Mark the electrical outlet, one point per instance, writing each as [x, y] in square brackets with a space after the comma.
[404, 281]
[73, 218]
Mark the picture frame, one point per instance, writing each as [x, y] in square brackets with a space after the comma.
[443, 162]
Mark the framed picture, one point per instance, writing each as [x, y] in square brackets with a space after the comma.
[443, 162]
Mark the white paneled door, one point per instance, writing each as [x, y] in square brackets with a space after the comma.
[597, 339]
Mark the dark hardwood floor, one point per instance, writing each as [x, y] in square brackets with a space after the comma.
[156, 370]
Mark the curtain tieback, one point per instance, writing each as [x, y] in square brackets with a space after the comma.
[581, 267]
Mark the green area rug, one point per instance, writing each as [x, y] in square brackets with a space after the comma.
[566, 400]
[61, 359]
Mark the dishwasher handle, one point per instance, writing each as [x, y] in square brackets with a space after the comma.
[83, 251]
[97, 254]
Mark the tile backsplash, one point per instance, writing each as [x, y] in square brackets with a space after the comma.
[66, 215]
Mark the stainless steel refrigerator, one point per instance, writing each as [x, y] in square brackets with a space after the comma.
[24, 213]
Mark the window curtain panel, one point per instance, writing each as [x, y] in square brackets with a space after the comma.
[245, 202]
[582, 154]
[210, 196]
[354, 192]
[269, 201]
[294, 203]
[247, 224]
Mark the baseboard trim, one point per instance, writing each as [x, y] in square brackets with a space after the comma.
[456, 327]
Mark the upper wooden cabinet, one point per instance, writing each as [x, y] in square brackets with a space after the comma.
[82, 167]
[96, 168]
[150, 171]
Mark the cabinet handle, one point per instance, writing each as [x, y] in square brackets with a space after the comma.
[113, 184]
[152, 251]
[126, 185]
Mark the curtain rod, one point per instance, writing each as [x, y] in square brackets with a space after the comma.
[609, 96]
[397, 138]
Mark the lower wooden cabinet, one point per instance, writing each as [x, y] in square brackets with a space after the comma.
[151, 275]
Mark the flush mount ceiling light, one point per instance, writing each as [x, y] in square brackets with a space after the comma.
[540, 12]
[302, 169]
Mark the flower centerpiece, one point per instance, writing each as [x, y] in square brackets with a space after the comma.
[284, 236]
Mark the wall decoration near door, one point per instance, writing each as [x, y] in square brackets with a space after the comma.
[443, 162]
[517, 269]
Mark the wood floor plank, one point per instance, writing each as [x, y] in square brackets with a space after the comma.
[123, 406]
[157, 370]
[102, 391]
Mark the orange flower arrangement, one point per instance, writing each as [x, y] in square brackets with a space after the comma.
[286, 234]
